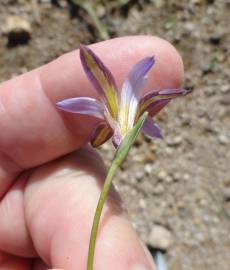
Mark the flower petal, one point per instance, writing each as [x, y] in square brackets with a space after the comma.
[82, 105]
[101, 78]
[137, 76]
[101, 134]
[153, 102]
[151, 129]
[117, 138]
[131, 92]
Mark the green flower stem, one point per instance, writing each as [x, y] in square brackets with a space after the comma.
[103, 196]
[120, 156]
[89, 7]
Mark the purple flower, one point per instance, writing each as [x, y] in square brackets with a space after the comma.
[119, 111]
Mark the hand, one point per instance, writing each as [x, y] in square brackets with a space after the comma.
[48, 194]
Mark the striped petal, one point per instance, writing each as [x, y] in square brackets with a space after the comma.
[82, 105]
[151, 129]
[153, 102]
[131, 92]
[101, 134]
[101, 78]
[137, 76]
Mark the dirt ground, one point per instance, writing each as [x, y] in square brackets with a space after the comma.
[181, 183]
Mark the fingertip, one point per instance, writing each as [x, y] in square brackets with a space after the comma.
[30, 98]
[168, 71]
[119, 55]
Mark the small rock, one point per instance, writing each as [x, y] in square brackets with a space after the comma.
[185, 119]
[18, 30]
[148, 168]
[142, 203]
[180, 205]
[177, 140]
[208, 67]
[225, 88]
[177, 176]
[158, 189]
[160, 238]
[201, 112]
[139, 175]
[215, 39]
[168, 151]
[186, 177]
[162, 175]
[226, 194]
[189, 27]
[223, 139]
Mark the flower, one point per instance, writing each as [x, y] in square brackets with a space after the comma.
[119, 111]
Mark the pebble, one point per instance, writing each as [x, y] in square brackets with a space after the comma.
[148, 169]
[208, 67]
[164, 176]
[225, 88]
[168, 151]
[175, 141]
[177, 176]
[185, 119]
[223, 139]
[18, 30]
[160, 238]
[186, 177]
[142, 204]
[158, 189]
[215, 39]
[139, 175]
[189, 27]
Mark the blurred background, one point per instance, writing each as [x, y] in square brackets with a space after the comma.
[177, 191]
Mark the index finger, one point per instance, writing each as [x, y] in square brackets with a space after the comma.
[33, 131]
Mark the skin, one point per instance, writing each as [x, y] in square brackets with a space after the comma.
[48, 188]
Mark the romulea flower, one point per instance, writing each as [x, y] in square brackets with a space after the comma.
[118, 111]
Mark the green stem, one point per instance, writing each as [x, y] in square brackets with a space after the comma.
[120, 156]
[90, 10]
[103, 196]
[98, 24]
